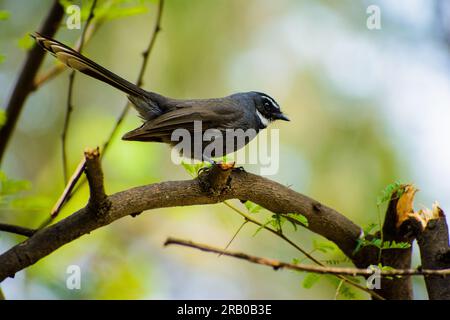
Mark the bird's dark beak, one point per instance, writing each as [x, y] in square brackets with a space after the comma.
[280, 116]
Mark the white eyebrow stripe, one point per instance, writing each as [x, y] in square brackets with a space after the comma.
[273, 101]
[263, 119]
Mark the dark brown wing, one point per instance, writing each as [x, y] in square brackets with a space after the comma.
[211, 114]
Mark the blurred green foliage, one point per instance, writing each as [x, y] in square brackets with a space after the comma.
[337, 148]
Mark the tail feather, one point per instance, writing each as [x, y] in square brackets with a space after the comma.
[76, 61]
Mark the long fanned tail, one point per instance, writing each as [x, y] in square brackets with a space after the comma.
[76, 61]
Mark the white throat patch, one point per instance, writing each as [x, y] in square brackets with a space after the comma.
[263, 119]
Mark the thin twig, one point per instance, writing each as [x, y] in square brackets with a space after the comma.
[276, 264]
[17, 229]
[338, 289]
[140, 79]
[65, 197]
[235, 235]
[275, 232]
[69, 107]
[24, 84]
[306, 254]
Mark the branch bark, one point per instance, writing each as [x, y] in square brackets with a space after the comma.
[17, 229]
[242, 185]
[435, 254]
[395, 229]
[25, 83]
[276, 264]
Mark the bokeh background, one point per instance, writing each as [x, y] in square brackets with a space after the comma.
[368, 107]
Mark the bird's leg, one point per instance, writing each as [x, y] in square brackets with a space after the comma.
[210, 161]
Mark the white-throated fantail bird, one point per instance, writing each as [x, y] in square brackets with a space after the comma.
[163, 115]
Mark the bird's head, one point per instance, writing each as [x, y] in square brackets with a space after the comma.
[267, 109]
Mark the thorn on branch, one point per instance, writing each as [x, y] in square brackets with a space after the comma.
[317, 206]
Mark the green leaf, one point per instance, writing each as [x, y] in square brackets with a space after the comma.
[2, 58]
[189, 168]
[310, 280]
[323, 246]
[10, 186]
[262, 227]
[395, 245]
[388, 191]
[26, 42]
[116, 9]
[4, 15]
[32, 203]
[376, 242]
[14, 186]
[299, 217]
[252, 207]
[384, 268]
[334, 262]
[277, 222]
[193, 169]
[347, 292]
[370, 228]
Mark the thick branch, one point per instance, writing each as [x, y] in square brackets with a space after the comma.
[243, 186]
[395, 229]
[435, 254]
[25, 82]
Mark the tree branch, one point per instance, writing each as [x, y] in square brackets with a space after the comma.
[280, 235]
[94, 176]
[140, 78]
[25, 82]
[17, 229]
[242, 185]
[68, 189]
[67, 194]
[435, 253]
[276, 264]
[69, 106]
[394, 229]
